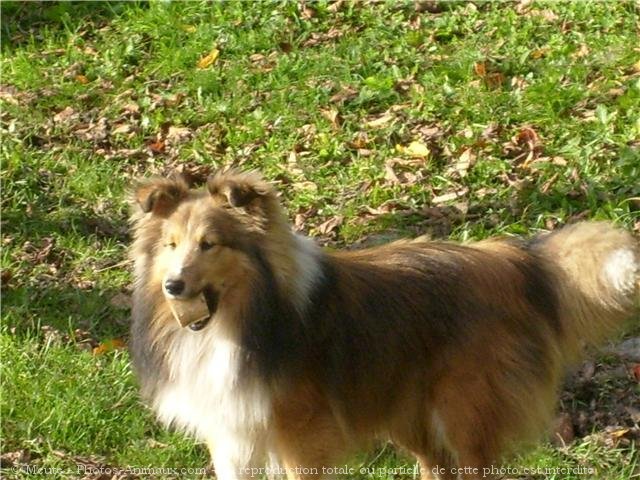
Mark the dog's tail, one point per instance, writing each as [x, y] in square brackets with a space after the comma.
[598, 270]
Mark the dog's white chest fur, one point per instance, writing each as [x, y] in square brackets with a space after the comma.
[206, 397]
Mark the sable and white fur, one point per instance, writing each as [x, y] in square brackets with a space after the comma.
[453, 352]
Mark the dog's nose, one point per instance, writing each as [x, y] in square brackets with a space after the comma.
[174, 287]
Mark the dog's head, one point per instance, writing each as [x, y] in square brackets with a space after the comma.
[205, 240]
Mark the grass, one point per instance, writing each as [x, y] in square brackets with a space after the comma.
[545, 100]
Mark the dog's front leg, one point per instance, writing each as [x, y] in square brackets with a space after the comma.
[238, 458]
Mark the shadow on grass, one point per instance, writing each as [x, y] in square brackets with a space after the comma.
[23, 21]
[519, 212]
[47, 290]
[53, 303]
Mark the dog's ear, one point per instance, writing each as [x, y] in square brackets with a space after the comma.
[161, 196]
[238, 189]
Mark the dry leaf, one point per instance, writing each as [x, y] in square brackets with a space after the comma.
[494, 80]
[480, 69]
[321, 37]
[122, 129]
[335, 6]
[307, 185]
[330, 225]
[131, 108]
[380, 121]
[465, 162]
[360, 141]
[157, 146]
[209, 59]
[307, 12]
[546, 14]
[527, 135]
[333, 116]
[540, 52]
[583, 51]
[64, 115]
[414, 149]
[109, 346]
[449, 196]
[389, 174]
[344, 95]
[178, 134]
[82, 79]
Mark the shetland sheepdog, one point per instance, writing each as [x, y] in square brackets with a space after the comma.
[454, 352]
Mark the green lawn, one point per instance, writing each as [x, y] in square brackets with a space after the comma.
[376, 121]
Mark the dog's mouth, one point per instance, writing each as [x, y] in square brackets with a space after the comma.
[211, 297]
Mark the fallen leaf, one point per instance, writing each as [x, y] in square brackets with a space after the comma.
[109, 346]
[335, 6]
[131, 108]
[526, 135]
[64, 115]
[618, 433]
[189, 28]
[333, 116]
[449, 196]
[414, 149]
[14, 459]
[480, 69]
[428, 132]
[465, 162]
[494, 80]
[178, 135]
[306, 185]
[390, 175]
[307, 12]
[209, 59]
[380, 121]
[122, 129]
[157, 146]
[318, 38]
[347, 93]
[546, 14]
[540, 52]
[360, 141]
[330, 225]
[549, 183]
[9, 93]
[583, 51]
[82, 79]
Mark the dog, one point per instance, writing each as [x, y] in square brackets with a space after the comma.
[454, 352]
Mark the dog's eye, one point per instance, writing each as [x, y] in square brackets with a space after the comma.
[171, 245]
[204, 245]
